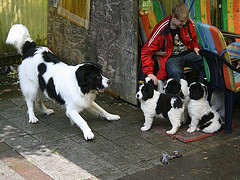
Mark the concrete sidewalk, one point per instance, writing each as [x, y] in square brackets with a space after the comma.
[53, 149]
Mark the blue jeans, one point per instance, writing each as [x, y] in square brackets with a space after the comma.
[175, 65]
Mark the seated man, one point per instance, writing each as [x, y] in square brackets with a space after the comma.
[177, 37]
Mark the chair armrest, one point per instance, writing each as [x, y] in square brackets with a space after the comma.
[230, 34]
[202, 51]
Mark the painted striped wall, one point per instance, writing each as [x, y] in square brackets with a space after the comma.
[31, 13]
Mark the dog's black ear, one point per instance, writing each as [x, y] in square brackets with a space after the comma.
[196, 91]
[81, 75]
[150, 81]
[94, 65]
[147, 91]
[173, 87]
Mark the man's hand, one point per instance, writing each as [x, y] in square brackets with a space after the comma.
[154, 78]
[196, 50]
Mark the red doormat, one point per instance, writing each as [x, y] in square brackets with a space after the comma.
[182, 133]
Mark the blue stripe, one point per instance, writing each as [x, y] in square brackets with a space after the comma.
[206, 37]
[189, 4]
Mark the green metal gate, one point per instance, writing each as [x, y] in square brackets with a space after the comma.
[32, 14]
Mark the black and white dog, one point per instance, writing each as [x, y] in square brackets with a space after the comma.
[41, 72]
[177, 87]
[155, 103]
[180, 88]
[203, 117]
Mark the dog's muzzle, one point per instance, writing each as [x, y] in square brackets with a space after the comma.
[105, 82]
[138, 96]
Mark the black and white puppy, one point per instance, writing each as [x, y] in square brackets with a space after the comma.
[203, 117]
[177, 87]
[155, 103]
[41, 72]
[180, 88]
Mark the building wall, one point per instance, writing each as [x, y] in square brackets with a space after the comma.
[111, 41]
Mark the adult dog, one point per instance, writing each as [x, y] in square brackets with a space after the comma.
[155, 103]
[203, 117]
[41, 72]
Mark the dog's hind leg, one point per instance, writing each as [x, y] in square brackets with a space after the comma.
[97, 110]
[40, 105]
[30, 96]
[81, 123]
[29, 91]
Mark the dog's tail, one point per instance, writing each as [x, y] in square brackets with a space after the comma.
[17, 36]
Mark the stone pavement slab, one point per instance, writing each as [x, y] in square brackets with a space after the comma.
[120, 150]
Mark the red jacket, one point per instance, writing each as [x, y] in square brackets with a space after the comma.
[161, 39]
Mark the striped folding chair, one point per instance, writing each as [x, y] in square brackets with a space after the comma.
[221, 74]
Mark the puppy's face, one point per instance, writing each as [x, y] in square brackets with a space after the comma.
[90, 78]
[197, 91]
[173, 86]
[145, 91]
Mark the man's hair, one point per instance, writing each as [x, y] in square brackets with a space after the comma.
[180, 11]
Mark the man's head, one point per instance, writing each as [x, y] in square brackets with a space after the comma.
[180, 14]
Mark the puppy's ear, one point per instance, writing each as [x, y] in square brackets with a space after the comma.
[147, 91]
[173, 86]
[196, 91]
[150, 81]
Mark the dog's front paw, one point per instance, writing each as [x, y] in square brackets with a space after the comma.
[171, 132]
[145, 128]
[49, 111]
[191, 129]
[112, 117]
[33, 120]
[88, 134]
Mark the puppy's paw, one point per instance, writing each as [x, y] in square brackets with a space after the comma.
[112, 117]
[88, 135]
[49, 111]
[171, 132]
[33, 120]
[191, 129]
[145, 128]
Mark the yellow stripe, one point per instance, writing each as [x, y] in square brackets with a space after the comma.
[230, 17]
[203, 11]
[152, 19]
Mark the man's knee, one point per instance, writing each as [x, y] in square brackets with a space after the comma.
[176, 74]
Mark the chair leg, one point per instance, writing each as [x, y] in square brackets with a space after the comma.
[229, 100]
